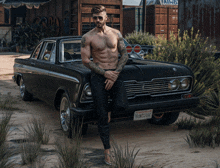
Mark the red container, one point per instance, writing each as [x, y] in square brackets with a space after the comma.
[161, 19]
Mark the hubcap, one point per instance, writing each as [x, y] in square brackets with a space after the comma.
[22, 87]
[64, 114]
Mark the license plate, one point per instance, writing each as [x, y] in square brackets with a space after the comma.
[143, 114]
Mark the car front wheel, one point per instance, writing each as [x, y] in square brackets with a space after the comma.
[25, 95]
[164, 118]
[67, 121]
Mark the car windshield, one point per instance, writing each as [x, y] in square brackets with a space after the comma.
[71, 51]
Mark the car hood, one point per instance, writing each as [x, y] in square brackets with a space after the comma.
[141, 70]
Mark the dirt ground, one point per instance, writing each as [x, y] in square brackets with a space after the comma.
[160, 146]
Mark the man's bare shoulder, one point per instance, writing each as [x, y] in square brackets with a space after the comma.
[87, 38]
[117, 33]
[88, 34]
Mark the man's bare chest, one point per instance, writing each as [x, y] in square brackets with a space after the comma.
[103, 42]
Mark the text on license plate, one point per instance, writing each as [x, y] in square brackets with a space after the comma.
[143, 114]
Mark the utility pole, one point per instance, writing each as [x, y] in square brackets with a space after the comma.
[144, 16]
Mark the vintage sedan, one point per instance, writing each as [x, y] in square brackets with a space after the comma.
[156, 91]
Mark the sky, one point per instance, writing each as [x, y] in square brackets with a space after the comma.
[131, 2]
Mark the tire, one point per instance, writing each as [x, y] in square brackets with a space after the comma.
[67, 121]
[164, 118]
[25, 95]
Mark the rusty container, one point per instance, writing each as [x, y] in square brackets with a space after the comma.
[132, 19]
[201, 15]
[161, 20]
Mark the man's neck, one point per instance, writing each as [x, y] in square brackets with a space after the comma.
[102, 29]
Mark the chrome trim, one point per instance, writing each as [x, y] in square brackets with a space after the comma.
[34, 70]
[143, 88]
[140, 49]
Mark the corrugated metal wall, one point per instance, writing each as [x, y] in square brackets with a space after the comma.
[161, 20]
[203, 15]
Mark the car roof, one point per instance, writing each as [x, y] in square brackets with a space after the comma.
[61, 37]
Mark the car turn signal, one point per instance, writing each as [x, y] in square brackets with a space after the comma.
[187, 96]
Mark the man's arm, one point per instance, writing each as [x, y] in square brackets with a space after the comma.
[85, 54]
[124, 55]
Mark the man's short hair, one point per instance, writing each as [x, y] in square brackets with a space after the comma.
[98, 9]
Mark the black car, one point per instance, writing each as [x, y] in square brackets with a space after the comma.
[54, 73]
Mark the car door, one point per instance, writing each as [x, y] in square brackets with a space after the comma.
[31, 72]
[44, 62]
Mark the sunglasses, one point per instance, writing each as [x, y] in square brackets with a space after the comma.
[97, 17]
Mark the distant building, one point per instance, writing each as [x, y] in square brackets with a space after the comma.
[160, 2]
[5, 24]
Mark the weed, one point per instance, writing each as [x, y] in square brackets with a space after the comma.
[6, 102]
[5, 152]
[188, 124]
[38, 163]
[140, 38]
[69, 152]
[30, 152]
[123, 158]
[4, 128]
[37, 131]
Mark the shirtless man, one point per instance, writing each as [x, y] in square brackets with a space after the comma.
[104, 44]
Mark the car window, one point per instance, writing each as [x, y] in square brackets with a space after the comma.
[53, 54]
[71, 50]
[36, 52]
[47, 51]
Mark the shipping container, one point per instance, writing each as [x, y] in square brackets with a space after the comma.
[202, 15]
[161, 20]
[132, 19]
[74, 16]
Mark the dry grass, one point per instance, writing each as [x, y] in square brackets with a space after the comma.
[5, 152]
[6, 102]
[69, 151]
[37, 131]
[37, 134]
[123, 158]
[30, 152]
[206, 133]
[188, 123]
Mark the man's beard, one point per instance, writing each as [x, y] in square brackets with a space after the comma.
[99, 25]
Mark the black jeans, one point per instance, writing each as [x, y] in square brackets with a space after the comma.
[100, 97]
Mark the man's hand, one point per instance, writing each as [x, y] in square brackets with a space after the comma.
[109, 83]
[111, 75]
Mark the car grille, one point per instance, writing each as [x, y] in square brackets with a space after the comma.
[155, 87]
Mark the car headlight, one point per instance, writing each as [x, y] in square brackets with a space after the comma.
[184, 83]
[174, 84]
[86, 94]
[87, 90]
